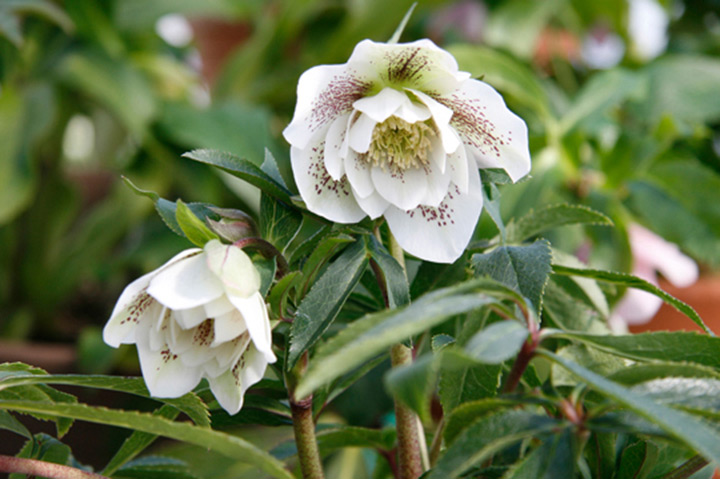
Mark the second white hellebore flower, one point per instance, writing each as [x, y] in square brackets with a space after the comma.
[398, 131]
[199, 315]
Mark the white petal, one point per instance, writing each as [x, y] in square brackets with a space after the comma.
[323, 196]
[374, 205]
[165, 375]
[229, 388]
[441, 115]
[234, 268]
[186, 284]
[495, 136]
[381, 106]
[404, 189]
[637, 307]
[336, 147]
[218, 307]
[438, 183]
[158, 334]
[358, 174]
[360, 134]
[180, 339]
[229, 353]
[458, 167]
[228, 327]
[324, 93]
[652, 252]
[121, 327]
[421, 65]
[439, 234]
[255, 314]
[191, 317]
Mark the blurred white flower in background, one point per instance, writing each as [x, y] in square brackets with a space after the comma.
[174, 29]
[647, 28]
[651, 254]
[399, 132]
[602, 48]
[199, 315]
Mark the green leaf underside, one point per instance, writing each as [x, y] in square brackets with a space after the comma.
[631, 281]
[682, 426]
[231, 446]
[374, 333]
[536, 222]
[553, 459]
[681, 347]
[241, 168]
[393, 275]
[9, 423]
[279, 224]
[523, 268]
[467, 413]
[488, 435]
[498, 342]
[323, 302]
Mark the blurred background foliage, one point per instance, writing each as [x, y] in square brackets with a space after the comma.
[91, 91]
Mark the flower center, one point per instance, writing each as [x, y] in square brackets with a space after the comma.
[399, 145]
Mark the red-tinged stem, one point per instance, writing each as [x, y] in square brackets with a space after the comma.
[33, 467]
[523, 360]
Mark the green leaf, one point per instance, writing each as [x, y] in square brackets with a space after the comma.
[137, 442]
[189, 404]
[279, 224]
[641, 372]
[684, 427]
[604, 90]
[321, 305]
[523, 268]
[391, 274]
[683, 87]
[631, 281]
[231, 446]
[498, 342]
[270, 166]
[689, 347]
[374, 333]
[353, 436]
[470, 383]
[553, 459]
[595, 360]
[8, 422]
[569, 313]
[634, 459]
[431, 276]
[194, 229]
[243, 169]
[155, 467]
[414, 383]
[43, 8]
[554, 216]
[488, 435]
[468, 413]
[700, 395]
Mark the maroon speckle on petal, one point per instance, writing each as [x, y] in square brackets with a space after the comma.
[337, 98]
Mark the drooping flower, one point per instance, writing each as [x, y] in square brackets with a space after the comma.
[398, 131]
[651, 254]
[199, 315]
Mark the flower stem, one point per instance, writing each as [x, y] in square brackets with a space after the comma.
[409, 447]
[33, 467]
[412, 450]
[304, 425]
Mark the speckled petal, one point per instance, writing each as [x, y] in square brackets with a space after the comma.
[494, 136]
[439, 234]
[324, 196]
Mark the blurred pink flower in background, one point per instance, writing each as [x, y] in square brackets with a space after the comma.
[651, 254]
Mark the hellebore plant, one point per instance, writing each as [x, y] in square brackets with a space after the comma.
[502, 361]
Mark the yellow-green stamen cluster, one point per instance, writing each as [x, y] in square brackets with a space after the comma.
[399, 145]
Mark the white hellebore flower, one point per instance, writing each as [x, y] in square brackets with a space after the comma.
[399, 132]
[199, 315]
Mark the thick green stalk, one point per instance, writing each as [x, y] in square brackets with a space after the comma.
[33, 467]
[412, 450]
[304, 425]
